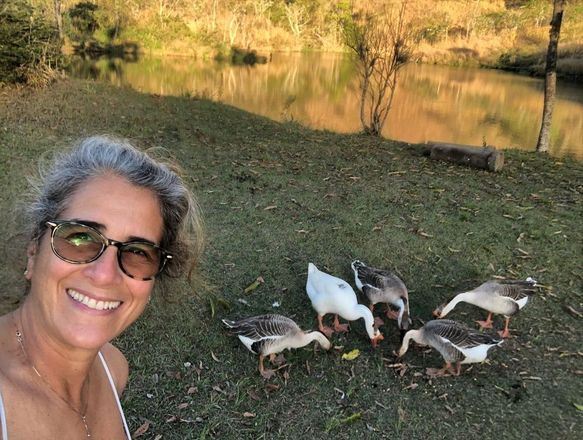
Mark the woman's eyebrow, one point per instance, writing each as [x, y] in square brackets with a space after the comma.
[101, 227]
[93, 224]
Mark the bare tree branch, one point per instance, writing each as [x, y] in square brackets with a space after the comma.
[382, 44]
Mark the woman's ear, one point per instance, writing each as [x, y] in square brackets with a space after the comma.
[30, 255]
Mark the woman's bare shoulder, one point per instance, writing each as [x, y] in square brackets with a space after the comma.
[118, 366]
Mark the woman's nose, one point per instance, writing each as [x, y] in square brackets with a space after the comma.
[105, 270]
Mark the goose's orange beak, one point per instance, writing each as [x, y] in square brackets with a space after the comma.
[378, 338]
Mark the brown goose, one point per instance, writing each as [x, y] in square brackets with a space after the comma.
[454, 341]
[502, 297]
[267, 335]
[382, 286]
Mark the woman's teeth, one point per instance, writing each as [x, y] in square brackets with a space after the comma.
[91, 303]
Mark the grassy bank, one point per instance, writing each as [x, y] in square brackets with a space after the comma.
[277, 196]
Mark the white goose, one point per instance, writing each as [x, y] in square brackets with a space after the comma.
[382, 286]
[502, 297]
[267, 335]
[333, 295]
[454, 341]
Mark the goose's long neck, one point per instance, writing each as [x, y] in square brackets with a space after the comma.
[403, 305]
[364, 312]
[318, 337]
[460, 297]
[416, 335]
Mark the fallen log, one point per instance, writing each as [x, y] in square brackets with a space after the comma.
[487, 158]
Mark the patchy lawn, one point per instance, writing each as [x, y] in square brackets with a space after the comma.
[277, 196]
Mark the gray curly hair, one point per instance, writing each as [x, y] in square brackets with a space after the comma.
[95, 156]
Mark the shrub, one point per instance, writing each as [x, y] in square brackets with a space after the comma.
[83, 22]
[30, 48]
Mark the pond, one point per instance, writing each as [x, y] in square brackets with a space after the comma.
[432, 103]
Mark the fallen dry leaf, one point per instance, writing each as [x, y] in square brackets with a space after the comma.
[142, 429]
[218, 389]
[248, 414]
[270, 387]
[253, 395]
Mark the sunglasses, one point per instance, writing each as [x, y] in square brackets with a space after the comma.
[77, 243]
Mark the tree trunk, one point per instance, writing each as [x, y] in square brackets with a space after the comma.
[59, 18]
[486, 158]
[550, 77]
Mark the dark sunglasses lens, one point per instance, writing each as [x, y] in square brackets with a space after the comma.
[77, 243]
[140, 260]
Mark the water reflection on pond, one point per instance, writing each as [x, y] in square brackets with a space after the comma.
[437, 103]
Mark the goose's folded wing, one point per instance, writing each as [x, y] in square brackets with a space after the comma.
[378, 277]
[371, 291]
[366, 275]
[462, 336]
[450, 330]
[474, 339]
[449, 351]
[516, 289]
[264, 326]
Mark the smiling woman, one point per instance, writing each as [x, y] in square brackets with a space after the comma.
[107, 225]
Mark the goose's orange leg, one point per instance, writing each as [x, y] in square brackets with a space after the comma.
[266, 373]
[377, 321]
[339, 327]
[439, 372]
[505, 333]
[277, 359]
[487, 323]
[392, 314]
[447, 368]
[324, 329]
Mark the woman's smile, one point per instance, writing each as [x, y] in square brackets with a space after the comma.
[92, 303]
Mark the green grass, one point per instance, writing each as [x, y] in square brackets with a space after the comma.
[444, 228]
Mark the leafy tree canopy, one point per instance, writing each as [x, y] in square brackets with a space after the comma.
[29, 44]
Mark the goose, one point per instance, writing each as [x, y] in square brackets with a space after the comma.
[382, 286]
[267, 335]
[454, 341]
[503, 297]
[334, 295]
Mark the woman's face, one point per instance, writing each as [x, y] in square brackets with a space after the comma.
[62, 292]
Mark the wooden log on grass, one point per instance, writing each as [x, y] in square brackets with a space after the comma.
[486, 158]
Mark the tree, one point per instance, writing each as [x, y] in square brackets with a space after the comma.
[30, 48]
[550, 77]
[382, 44]
[83, 21]
[58, 17]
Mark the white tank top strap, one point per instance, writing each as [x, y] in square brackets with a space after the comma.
[3, 419]
[123, 418]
